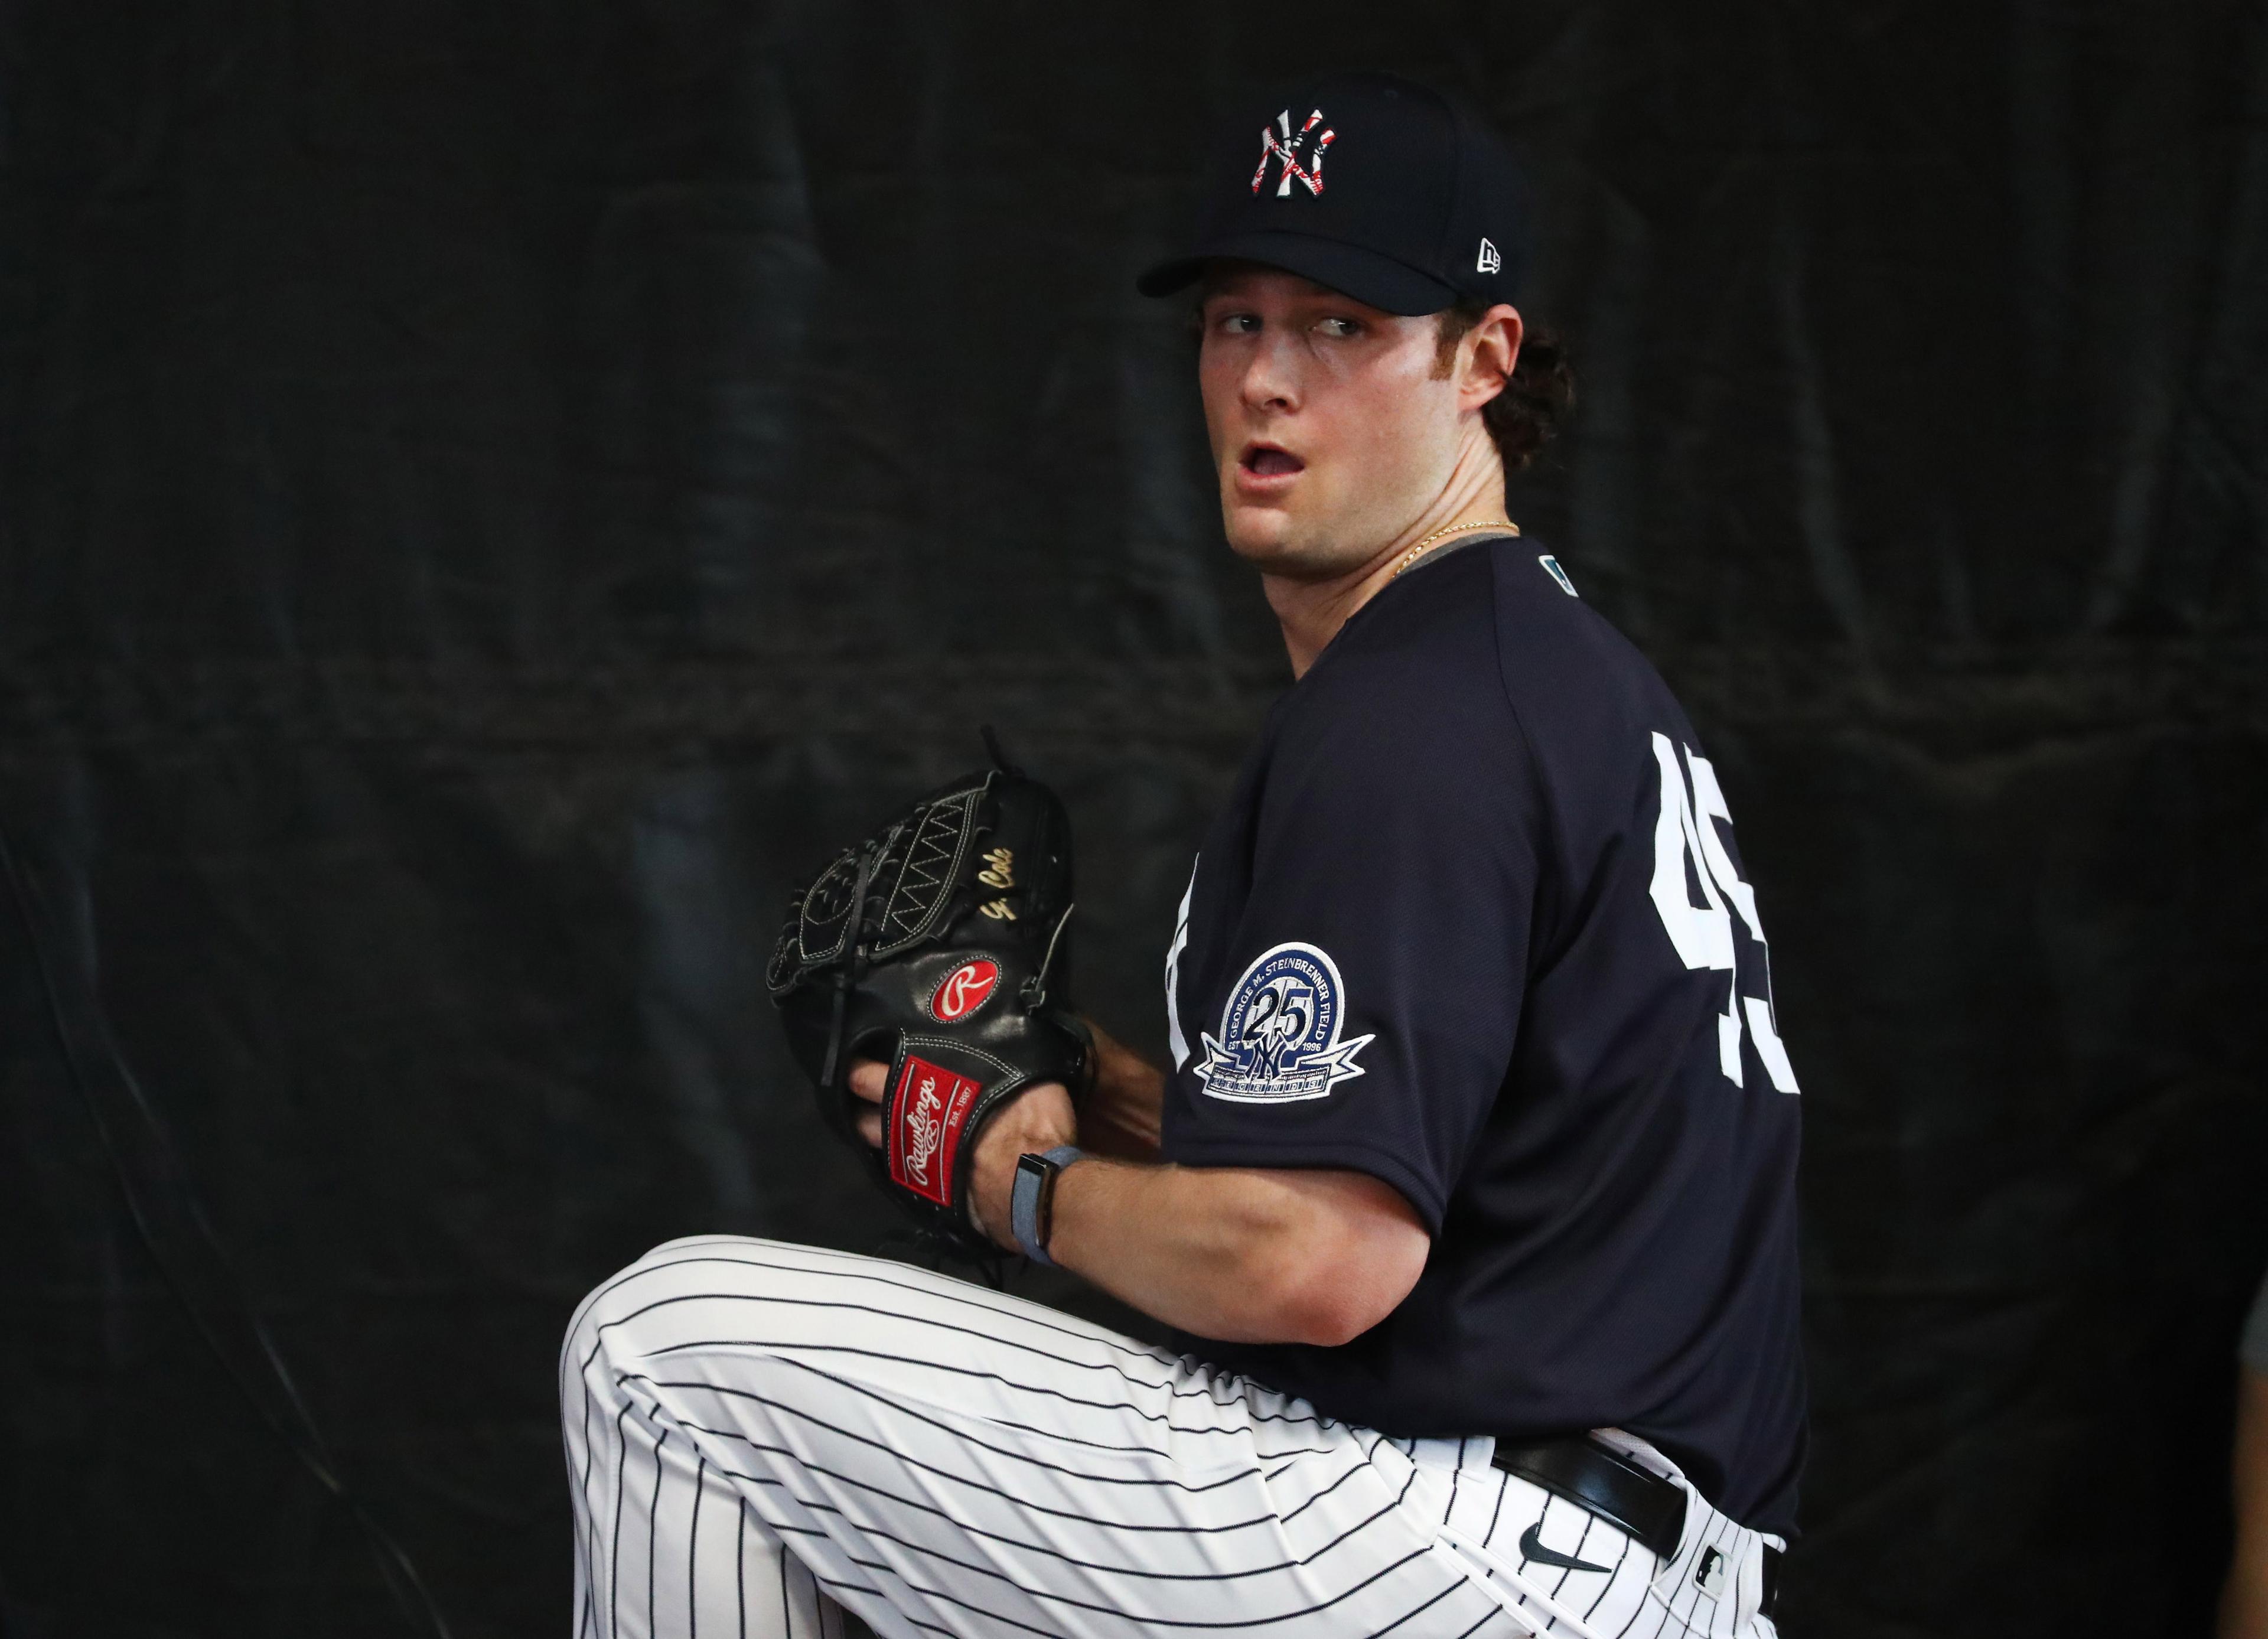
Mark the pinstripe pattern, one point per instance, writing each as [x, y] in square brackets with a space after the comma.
[759, 1434]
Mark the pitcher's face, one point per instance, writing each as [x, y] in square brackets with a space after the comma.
[1332, 429]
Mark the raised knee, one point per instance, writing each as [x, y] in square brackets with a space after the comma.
[644, 1296]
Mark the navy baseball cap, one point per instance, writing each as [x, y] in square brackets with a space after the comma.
[1374, 185]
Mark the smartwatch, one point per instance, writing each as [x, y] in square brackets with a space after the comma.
[1031, 1209]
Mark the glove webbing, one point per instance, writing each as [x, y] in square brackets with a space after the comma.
[848, 975]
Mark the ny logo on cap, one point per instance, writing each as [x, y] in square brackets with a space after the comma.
[1278, 143]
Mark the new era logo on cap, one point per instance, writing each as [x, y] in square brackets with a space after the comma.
[1423, 206]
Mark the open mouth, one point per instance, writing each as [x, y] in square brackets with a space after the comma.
[1266, 460]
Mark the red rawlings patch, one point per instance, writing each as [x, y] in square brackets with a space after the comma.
[927, 1116]
[964, 990]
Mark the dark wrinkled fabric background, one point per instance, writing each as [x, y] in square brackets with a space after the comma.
[493, 488]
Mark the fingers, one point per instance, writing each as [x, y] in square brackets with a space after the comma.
[869, 1079]
[1039, 1117]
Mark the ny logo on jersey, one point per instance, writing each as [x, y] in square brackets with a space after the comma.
[1278, 143]
[1685, 834]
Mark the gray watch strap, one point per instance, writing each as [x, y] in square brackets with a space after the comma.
[1024, 1203]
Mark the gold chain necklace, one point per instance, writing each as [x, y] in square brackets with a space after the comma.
[1418, 551]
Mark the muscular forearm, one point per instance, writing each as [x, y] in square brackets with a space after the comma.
[1246, 1255]
[1262, 1255]
[1243, 1255]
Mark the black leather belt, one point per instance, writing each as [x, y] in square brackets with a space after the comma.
[1647, 1508]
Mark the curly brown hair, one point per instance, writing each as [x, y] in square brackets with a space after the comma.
[1534, 401]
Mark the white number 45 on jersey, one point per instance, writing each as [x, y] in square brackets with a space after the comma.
[1686, 828]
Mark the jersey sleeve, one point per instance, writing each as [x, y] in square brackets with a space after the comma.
[1362, 1011]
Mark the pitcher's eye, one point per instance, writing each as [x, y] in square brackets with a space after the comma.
[1238, 324]
[1340, 329]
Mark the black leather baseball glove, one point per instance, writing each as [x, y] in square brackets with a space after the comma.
[939, 944]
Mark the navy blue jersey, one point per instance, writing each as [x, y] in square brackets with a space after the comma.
[1473, 923]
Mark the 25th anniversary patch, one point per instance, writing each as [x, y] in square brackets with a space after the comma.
[1279, 1033]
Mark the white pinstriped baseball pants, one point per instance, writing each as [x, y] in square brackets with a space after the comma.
[757, 1431]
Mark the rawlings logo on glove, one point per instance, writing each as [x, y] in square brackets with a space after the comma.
[966, 989]
[939, 944]
[931, 1106]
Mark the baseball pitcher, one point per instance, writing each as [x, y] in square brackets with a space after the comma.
[1468, 1192]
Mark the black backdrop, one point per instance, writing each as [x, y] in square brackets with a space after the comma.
[491, 487]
